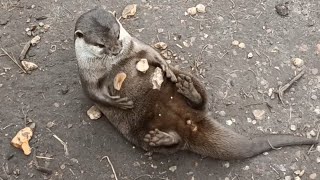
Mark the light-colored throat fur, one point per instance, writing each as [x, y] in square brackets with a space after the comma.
[87, 53]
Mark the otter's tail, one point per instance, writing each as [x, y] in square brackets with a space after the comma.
[212, 139]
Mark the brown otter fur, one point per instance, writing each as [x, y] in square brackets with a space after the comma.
[174, 117]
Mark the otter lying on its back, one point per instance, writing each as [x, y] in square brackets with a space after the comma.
[172, 118]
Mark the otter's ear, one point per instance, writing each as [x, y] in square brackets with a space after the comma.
[78, 33]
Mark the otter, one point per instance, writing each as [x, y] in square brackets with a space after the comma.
[174, 118]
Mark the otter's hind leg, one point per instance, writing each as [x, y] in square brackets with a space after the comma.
[186, 88]
[160, 138]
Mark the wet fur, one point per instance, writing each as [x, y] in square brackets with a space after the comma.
[167, 110]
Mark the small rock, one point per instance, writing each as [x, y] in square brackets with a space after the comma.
[41, 24]
[56, 105]
[313, 133]
[222, 113]
[161, 45]
[297, 178]
[29, 66]
[142, 65]
[293, 127]
[229, 122]
[226, 165]
[50, 124]
[297, 62]
[318, 160]
[63, 166]
[129, 11]
[69, 126]
[287, 178]
[314, 97]
[160, 30]
[201, 8]
[254, 122]
[250, 55]
[94, 113]
[313, 176]
[235, 43]
[246, 168]
[192, 11]
[173, 168]
[314, 71]
[258, 114]
[242, 45]
[282, 9]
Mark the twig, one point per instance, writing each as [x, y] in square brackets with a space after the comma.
[283, 88]
[233, 4]
[274, 169]
[7, 126]
[43, 157]
[273, 147]
[234, 18]
[24, 51]
[220, 57]
[40, 168]
[114, 172]
[65, 146]
[200, 56]
[14, 60]
[144, 175]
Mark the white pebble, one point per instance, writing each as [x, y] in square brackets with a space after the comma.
[314, 71]
[242, 45]
[226, 165]
[287, 178]
[318, 160]
[258, 114]
[297, 178]
[313, 133]
[297, 62]
[313, 176]
[250, 55]
[192, 11]
[235, 43]
[173, 168]
[201, 8]
[314, 97]
[229, 122]
[254, 122]
[246, 168]
[222, 113]
[293, 127]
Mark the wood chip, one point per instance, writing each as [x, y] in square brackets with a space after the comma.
[118, 80]
[129, 11]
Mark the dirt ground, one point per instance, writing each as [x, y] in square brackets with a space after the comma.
[52, 97]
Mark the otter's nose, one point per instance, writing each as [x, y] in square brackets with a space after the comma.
[116, 49]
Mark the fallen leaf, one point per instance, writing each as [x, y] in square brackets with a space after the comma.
[161, 45]
[118, 80]
[21, 140]
[29, 66]
[129, 10]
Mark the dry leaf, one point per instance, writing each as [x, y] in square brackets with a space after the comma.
[161, 45]
[29, 66]
[157, 78]
[94, 113]
[118, 80]
[142, 65]
[21, 140]
[129, 10]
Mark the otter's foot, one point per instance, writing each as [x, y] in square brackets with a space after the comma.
[160, 138]
[186, 88]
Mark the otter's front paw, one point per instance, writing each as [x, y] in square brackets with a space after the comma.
[160, 138]
[169, 72]
[123, 103]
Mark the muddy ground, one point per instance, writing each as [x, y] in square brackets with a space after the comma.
[52, 98]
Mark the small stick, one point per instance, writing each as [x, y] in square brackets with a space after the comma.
[144, 175]
[14, 60]
[283, 88]
[65, 147]
[274, 169]
[43, 157]
[114, 172]
[273, 147]
[7, 126]
[24, 51]
[39, 168]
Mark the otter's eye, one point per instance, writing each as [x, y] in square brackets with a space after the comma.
[100, 45]
[118, 36]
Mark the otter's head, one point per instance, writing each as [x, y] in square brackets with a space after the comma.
[97, 34]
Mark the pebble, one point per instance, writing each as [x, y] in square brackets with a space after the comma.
[293, 127]
[235, 43]
[201, 8]
[173, 168]
[313, 133]
[314, 71]
[313, 176]
[229, 122]
[222, 113]
[56, 105]
[318, 160]
[41, 24]
[226, 165]
[282, 9]
[287, 178]
[192, 11]
[242, 45]
[297, 178]
[297, 62]
[254, 122]
[250, 55]
[50, 124]
[246, 168]
[258, 114]
[314, 97]
[160, 30]
[249, 120]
